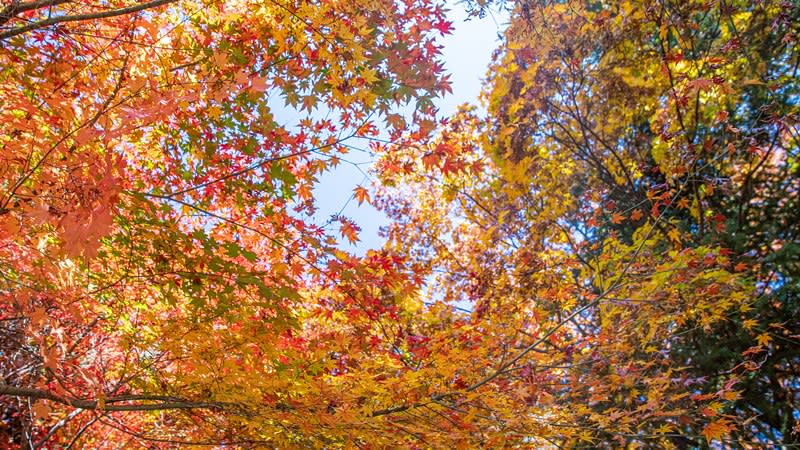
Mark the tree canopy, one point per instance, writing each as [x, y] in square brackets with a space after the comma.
[604, 255]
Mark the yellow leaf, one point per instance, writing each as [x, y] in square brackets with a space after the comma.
[664, 429]
[214, 112]
[369, 76]
[731, 395]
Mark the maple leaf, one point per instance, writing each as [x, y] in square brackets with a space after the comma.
[258, 84]
[718, 429]
[349, 230]
[753, 350]
[214, 112]
[700, 84]
[430, 160]
[203, 253]
[361, 194]
[444, 27]
[41, 409]
[731, 395]
[452, 165]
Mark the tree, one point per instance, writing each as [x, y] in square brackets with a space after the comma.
[605, 257]
[159, 274]
[622, 224]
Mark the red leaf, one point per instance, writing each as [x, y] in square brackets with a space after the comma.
[444, 27]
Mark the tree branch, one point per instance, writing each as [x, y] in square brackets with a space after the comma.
[15, 7]
[83, 17]
[168, 403]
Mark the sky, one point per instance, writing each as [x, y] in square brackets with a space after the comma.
[466, 55]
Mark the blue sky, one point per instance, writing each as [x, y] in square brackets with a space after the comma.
[466, 55]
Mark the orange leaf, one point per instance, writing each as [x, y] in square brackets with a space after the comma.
[731, 395]
[430, 160]
[40, 410]
[708, 412]
[674, 235]
[361, 194]
[617, 218]
[349, 230]
[718, 429]
[753, 350]
[258, 84]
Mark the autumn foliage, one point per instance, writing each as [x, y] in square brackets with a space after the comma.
[604, 256]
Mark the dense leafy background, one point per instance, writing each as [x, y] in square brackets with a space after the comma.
[604, 256]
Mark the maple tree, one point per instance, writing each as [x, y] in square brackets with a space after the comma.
[622, 222]
[159, 273]
[605, 257]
